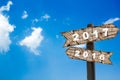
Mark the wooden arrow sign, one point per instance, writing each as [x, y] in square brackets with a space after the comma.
[89, 55]
[76, 37]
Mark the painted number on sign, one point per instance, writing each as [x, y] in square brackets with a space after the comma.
[86, 54]
[86, 35]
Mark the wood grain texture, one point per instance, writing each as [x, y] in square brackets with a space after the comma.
[112, 31]
[71, 52]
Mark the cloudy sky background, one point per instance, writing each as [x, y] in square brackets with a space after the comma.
[31, 44]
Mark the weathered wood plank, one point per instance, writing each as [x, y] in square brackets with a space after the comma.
[89, 55]
[76, 37]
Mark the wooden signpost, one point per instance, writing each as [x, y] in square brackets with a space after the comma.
[82, 36]
[89, 55]
[88, 36]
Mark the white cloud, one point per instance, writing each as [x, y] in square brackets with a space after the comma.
[7, 7]
[25, 15]
[35, 20]
[5, 29]
[111, 20]
[81, 46]
[33, 41]
[45, 17]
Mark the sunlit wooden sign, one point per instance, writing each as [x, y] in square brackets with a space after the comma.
[89, 55]
[87, 35]
[82, 36]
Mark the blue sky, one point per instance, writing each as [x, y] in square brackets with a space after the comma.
[31, 44]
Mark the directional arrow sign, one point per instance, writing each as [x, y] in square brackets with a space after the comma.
[76, 37]
[89, 55]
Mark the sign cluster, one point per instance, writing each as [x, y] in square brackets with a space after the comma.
[83, 36]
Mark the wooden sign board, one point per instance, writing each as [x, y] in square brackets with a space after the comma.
[89, 55]
[76, 37]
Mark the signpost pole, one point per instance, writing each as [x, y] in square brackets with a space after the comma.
[90, 65]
